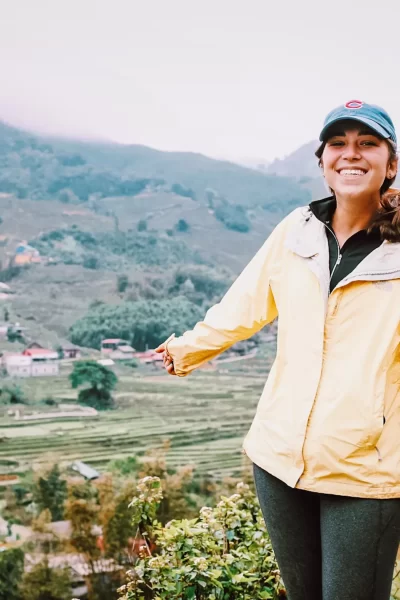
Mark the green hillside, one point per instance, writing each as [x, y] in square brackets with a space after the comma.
[103, 213]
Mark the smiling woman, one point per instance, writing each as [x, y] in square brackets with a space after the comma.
[325, 438]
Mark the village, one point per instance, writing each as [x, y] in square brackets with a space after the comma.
[37, 361]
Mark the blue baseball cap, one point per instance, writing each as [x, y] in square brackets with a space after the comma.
[374, 116]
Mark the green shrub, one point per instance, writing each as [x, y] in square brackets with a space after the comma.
[122, 283]
[91, 262]
[142, 225]
[182, 226]
[224, 554]
[11, 394]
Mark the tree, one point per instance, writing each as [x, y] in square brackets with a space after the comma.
[11, 570]
[46, 583]
[50, 492]
[13, 335]
[100, 379]
[82, 511]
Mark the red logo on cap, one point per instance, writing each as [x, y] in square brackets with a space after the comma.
[354, 104]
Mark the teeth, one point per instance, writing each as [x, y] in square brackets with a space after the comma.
[351, 172]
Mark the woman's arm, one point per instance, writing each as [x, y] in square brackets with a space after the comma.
[247, 306]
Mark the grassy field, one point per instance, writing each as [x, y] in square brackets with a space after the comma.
[205, 416]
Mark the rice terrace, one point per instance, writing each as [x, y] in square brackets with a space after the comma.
[205, 417]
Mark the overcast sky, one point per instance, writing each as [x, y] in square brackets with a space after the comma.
[228, 78]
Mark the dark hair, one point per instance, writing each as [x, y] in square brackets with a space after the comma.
[387, 219]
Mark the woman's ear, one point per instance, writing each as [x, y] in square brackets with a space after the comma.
[392, 168]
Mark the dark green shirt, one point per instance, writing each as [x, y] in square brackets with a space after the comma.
[342, 261]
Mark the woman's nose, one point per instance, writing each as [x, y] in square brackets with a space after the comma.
[351, 152]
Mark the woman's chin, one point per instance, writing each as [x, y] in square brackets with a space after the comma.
[352, 189]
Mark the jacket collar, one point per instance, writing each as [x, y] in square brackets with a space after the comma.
[307, 238]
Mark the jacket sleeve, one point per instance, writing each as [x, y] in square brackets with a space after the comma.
[247, 306]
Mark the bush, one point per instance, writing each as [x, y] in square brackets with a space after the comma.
[225, 553]
[182, 225]
[142, 225]
[91, 262]
[122, 283]
[11, 394]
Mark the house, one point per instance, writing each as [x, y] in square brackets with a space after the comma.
[25, 255]
[44, 362]
[124, 352]
[17, 365]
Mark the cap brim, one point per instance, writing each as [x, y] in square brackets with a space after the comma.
[372, 124]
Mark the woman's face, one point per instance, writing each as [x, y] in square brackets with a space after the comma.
[355, 160]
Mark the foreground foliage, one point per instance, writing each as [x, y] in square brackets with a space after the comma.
[225, 553]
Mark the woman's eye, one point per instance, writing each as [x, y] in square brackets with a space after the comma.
[368, 143]
[336, 143]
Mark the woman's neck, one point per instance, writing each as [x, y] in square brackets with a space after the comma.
[352, 215]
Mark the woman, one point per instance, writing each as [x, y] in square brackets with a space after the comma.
[325, 441]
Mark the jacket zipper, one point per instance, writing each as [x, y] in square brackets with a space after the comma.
[339, 258]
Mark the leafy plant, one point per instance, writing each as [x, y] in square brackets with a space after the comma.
[225, 553]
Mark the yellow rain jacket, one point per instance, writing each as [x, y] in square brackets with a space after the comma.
[329, 416]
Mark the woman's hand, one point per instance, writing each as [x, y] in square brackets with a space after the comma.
[167, 359]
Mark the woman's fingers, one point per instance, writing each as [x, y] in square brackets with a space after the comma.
[160, 348]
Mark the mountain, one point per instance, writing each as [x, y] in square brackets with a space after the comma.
[99, 214]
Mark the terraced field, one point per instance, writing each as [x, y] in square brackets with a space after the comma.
[205, 416]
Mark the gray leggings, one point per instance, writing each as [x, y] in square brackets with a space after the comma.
[330, 547]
